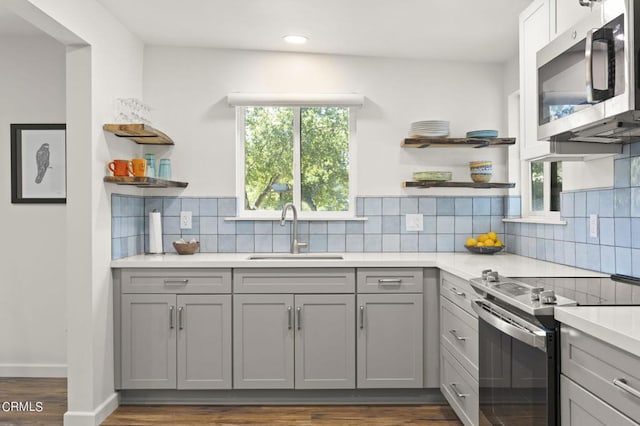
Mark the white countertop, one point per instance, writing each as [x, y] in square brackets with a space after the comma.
[464, 265]
[617, 325]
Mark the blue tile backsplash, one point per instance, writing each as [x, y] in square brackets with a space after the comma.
[447, 221]
[617, 247]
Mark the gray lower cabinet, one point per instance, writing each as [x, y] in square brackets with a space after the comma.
[604, 381]
[148, 341]
[389, 337]
[582, 408]
[176, 341]
[294, 341]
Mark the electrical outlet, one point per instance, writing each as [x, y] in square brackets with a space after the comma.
[593, 226]
[414, 222]
[185, 220]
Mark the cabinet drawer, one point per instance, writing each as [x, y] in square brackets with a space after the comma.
[459, 388]
[390, 280]
[176, 280]
[294, 280]
[459, 334]
[595, 365]
[580, 407]
[457, 290]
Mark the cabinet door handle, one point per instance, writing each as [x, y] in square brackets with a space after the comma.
[289, 318]
[180, 317]
[456, 292]
[458, 394]
[171, 308]
[458, 338]
[299, 315]
[390, 281]
[361, 316]
[169, 282]
[622, 384]
[584, 3]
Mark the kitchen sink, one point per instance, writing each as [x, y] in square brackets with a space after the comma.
[297, 256]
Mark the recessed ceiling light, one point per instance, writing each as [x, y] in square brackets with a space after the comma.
[295, 39]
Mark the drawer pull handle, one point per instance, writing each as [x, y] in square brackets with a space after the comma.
[180, 317]
[622, 384]
[289, 318]
[169, 282]
[390, 281]
[458, 338]
[361, 317]
[171, 308]
[456, 292]
[458, 394]
[299, 314]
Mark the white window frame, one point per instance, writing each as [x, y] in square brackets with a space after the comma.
[527, 212]
[308, 215]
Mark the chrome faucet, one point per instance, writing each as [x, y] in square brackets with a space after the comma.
[295, 244]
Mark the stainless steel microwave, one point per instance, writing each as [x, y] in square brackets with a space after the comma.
[588, 87]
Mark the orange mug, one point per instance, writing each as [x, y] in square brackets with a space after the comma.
[120, 167]
[139, 167]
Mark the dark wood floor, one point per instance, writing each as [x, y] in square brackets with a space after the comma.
[52, 393]
[350, 415]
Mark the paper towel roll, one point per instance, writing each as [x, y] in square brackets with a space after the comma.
[155, 232]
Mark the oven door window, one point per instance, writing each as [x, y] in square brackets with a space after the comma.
[591, 71]
[513, 380]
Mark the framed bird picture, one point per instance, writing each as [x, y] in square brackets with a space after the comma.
[38, 163]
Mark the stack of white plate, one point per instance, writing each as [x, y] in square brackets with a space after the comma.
[430, 128]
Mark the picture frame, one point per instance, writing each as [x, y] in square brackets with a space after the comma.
[38, 163]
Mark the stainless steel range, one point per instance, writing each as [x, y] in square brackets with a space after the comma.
[518, 351]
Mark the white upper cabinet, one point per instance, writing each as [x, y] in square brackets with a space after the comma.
[566, 13]
[534, 34]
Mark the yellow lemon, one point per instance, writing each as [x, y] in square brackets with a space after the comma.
[471, 242]
[498, 243]
[480, 245]
[489, 243]
[482, 238]
[492, 235]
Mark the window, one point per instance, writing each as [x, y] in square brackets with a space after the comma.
[302, 155]
[545, 186]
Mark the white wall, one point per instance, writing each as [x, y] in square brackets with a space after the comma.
[188, 88]
[104, 61]
[33, 290]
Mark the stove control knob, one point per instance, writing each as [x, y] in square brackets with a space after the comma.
[485, 273]
[493, 277]
[548, 297]
[535, 293]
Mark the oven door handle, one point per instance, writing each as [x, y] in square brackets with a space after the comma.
[534, 339]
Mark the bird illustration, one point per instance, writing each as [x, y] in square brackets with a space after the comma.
[42, 159]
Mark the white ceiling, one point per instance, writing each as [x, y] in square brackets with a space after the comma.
[468, 30]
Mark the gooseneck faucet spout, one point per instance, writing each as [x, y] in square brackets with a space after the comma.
[295, 245]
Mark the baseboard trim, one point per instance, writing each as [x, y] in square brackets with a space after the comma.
[95, 417]
[282, 396]
[33, 370]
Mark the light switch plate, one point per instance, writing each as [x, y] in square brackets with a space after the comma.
[593, 226]
[185, 220]
[414, 222]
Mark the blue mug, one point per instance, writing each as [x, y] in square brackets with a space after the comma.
[164, 171]
[151, 165]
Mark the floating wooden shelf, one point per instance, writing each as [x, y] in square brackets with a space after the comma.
[145, 182]
[139, 133]
[456, 142]
[448, 184]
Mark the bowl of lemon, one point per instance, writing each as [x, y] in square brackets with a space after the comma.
[488, 243]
